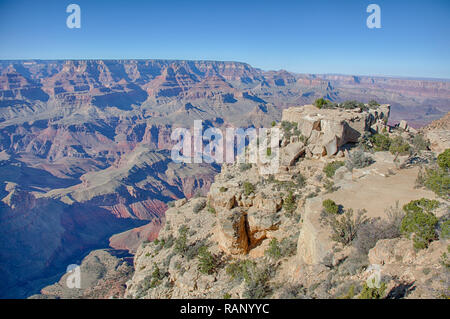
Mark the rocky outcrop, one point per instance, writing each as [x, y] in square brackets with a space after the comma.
[423, 271]
[438, 133]
[274, 227]
[327, 130]
[103, 274]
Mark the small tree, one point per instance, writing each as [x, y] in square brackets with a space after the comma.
[156, 276]
[320, 103]
[399, 146]
[443, 159]
[345, 227]
[181, 241]
[330, 207]
[206, 261]
[420, 222]
[248, 188]
[289, 203]
[380, 142]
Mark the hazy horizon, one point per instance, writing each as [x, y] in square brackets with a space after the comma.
[265, 70]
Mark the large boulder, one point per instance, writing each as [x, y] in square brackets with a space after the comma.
[291, 153]
[328, 129]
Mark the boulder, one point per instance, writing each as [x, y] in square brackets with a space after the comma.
[403, 125]
[329, 129]
[291, 153]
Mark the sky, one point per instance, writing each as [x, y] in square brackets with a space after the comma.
[299, 36]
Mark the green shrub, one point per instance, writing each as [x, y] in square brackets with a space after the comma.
[285, 248]
[420, 143]
[169, 241]
[273, 123]
[269, 151]
[287, 128]
[358, 159]
[227, 296]
[420, 205]
[241, 270]
[248, 188]
[329, 186]
[321, 102]
[420, 221]
[350, 293]
[274, 250]
[211, 210]
[206, 261]
[373, 104]
[380, 142]
[345, 227]
[330, 168]
[399, 147]
[156, 276]
[289, 203]
[257, 286]
[352, 105]
[373, 293]
[330, 207]
[443, 159]
[445, 260]
[181, 241]
[223, 189]
[445, 229]
[437, 180]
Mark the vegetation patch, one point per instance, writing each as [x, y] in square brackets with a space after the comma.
[419, 222]
[330, 207]
[345, 227]
[289, 203]
[207, 263]
[358, 159]
[248, 188]
[373, 292]
[330, 168]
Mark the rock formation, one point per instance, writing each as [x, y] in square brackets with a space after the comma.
[268, 236]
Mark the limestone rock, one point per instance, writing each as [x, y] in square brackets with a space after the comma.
[403, 125]
[328, 129]
[291, 153]
[232, 232]
[314, 244]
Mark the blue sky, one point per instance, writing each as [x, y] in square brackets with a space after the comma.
[299, 36]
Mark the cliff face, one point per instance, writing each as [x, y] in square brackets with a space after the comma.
[259, 236]
[40, 237]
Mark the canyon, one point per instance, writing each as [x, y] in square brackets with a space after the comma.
[85, 146]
